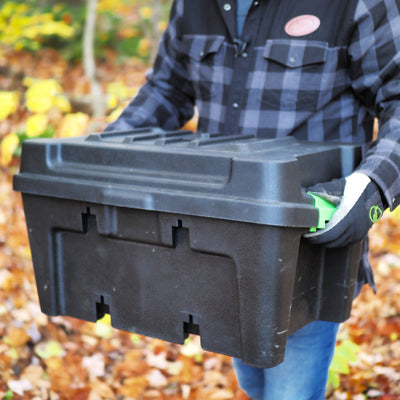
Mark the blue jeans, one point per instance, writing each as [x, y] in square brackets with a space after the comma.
[304, 372]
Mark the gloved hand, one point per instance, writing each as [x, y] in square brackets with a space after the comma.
[359, 206]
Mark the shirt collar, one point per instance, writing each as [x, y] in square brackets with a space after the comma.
[228, 11]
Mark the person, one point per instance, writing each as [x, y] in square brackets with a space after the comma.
[318, 71]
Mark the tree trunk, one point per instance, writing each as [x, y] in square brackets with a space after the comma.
[89, 61]
[156, 31]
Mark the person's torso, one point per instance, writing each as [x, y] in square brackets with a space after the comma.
[287, 74]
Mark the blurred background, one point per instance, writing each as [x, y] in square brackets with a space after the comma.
[68, 69]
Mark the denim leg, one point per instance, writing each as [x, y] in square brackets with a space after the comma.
[304, 372]
[250, 379]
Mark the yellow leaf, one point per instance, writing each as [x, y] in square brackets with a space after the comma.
[106, 320]
[36, 125]
[118, 90]
[112, 101]
[41, 93]
[162, 26]
[73, 125]
[39, 104]
[144, 47]
[146, 12]
[62, 103]
[48, 86]
[18, 46]
[103, 331]
[13, 353]
[115, 114]
[8, 146]
[395, 214]
[56, 28]
[27, 81]
[8, 10]
[9, 102]
[49, 349]
[103, 327]
[31, 32]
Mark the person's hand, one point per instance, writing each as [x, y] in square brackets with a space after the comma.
[359, 206]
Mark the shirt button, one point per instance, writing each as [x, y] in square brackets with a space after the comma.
[235, 105]
[227, 7]
[292, 59]
[256, 3]
[244, 55]
[201, 54]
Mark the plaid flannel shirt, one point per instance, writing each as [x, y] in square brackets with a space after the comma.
[328, 85]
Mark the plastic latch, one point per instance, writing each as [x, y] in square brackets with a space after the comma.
[326, 211]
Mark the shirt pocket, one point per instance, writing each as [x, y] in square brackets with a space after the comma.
[293, 70]
[204, 56]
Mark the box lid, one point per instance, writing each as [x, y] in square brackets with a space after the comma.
[237, 177]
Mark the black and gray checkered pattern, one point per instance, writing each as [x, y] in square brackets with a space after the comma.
[313, 87]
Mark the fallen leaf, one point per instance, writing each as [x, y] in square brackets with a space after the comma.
[73, 125]
[157, 360]
[49, 349]
[103, 328]
[95, 365]
[133, 387]
[16, 337]
[156, 379]
[36, 124]
[32, 373]
[20, 386]
[102, 389]
[60, 379]
[94, 396]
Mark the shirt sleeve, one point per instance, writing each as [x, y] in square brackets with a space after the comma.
[375, 74]
[166, 100]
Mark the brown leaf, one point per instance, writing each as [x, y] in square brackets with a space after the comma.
[133, 387]
[102, 390]
[17, 337]
[60, 380]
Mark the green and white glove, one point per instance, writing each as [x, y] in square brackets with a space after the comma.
[359, 206]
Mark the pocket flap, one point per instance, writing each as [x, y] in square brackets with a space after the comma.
[295, 53]
[199, 47]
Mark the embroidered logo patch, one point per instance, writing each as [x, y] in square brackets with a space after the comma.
[302, 25]
[375, 213]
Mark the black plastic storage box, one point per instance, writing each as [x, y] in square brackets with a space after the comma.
[175, 233]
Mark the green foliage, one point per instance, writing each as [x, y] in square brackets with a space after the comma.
[127, 27]
[345, 354]
[9, 395]
[48, 132]
[22, 26]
